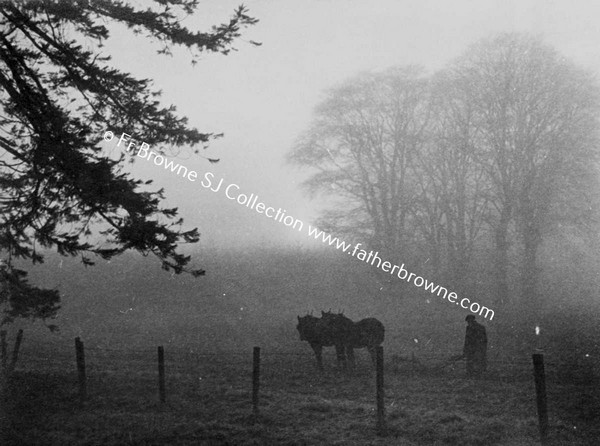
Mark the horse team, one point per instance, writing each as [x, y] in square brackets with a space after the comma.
[335, 329]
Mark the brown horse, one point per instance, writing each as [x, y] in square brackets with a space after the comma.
[368, 333]
[318, 333]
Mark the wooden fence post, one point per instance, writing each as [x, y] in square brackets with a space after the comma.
[255, 379]
[3, 349]
[80, 356]
[161, 374]
[381, 427]
[540, 391]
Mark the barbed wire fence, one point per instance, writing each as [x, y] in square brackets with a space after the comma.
[201, 370]
[192, 361]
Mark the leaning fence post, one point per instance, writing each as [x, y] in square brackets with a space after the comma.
[161, 374]
[3, 349]
[255, 379]
[540, 391]
[80, 356]
[381, 428]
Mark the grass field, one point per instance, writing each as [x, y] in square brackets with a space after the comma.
[209, 402]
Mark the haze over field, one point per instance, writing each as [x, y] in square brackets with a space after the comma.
[388, 160]
[262, 98]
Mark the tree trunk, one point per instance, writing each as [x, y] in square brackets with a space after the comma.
[15, 355]
[4, 420]
[461, 259]
[501, 260]
[3, 350]
[529, 271]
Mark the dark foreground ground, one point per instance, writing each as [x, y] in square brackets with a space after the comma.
[209, 402]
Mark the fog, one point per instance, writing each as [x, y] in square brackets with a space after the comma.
[263, 272]
[262, 98]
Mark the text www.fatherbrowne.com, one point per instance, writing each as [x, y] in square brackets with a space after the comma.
[374, 260]
[232, 192]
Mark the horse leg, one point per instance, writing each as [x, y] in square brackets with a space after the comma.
[373, 353]
[341, 357]
[350, 356]
[318, 349]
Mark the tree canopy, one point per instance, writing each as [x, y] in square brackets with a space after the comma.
[490, 156]
[58, 93]
[363, 141]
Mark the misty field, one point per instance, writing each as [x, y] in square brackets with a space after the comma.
[124, 310]
[209, 401]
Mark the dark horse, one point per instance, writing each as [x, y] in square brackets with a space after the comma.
[367, 333]
[320, 334]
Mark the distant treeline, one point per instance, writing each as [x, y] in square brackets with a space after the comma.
[472, 175]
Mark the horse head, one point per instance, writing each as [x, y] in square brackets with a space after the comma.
[306, 326]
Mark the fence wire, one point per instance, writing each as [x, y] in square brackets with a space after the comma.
[193, 362]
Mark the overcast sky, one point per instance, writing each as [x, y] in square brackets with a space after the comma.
[262, 97]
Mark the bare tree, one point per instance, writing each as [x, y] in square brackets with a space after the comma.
[363, 142]
[496, 151]
[535, 113]
[454, 192]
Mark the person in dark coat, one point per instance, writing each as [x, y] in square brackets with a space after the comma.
[475, 349]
